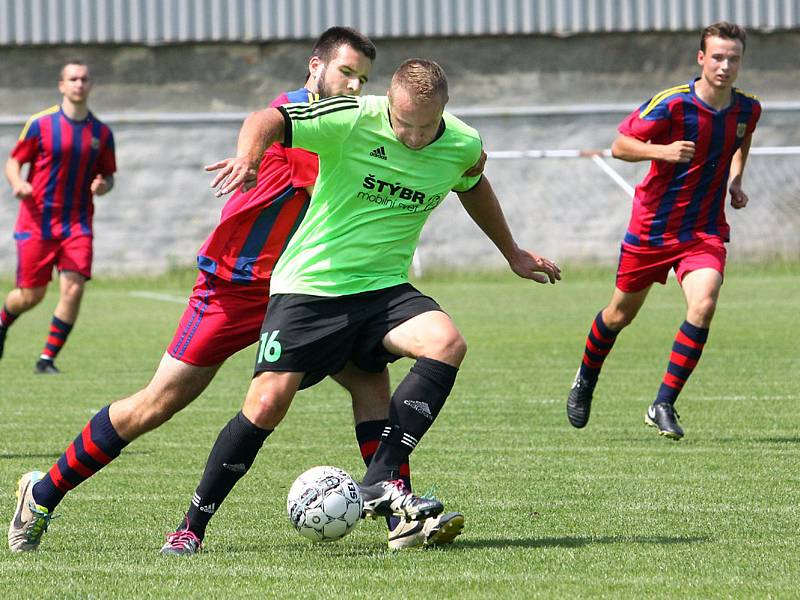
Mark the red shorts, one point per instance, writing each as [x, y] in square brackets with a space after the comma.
[36, 258]
[221, 319]
[640, 266]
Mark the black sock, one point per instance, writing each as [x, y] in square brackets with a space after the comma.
[415, 404]
[232, 455]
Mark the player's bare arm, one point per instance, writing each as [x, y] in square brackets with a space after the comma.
[483, 207]
[19, 187]
[102, 184]
[259, 131]
[738, 198]
[630, 149]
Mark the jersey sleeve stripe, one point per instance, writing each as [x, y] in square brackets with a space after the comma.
[661, 96]
[42, 113]
[302, 109]
[287, 127]
[321, 113]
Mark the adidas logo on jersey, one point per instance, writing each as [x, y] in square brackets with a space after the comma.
[379, 153]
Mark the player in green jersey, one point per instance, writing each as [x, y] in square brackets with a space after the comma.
[340, 294]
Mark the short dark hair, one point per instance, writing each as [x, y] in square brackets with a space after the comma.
[331, 39]
[725, 30]
[425, 78]
[67, 63]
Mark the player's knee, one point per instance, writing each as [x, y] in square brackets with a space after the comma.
[30, 297]
[449, 346]
[702, 311]
[265, 405]
[618, 318]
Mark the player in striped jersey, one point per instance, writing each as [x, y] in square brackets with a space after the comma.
[697, 136]
[71, 156]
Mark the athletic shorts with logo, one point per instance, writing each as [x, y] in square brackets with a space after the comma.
[221, 319]
[641, 266]
[37, 257]
[317, 335]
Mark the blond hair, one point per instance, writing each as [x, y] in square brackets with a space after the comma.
[423, 79]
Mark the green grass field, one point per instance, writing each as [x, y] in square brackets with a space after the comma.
[609, 511]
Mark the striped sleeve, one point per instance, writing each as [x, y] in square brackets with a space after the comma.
[28, 142]
[653, 117]
[319, 126]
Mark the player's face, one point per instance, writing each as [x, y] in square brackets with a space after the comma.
[345, 74]
[415, 124]
[75, 83]
[720, 61]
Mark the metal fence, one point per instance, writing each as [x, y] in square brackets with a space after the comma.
[45, 22]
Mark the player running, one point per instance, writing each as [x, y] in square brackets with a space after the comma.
[697, 136]
[71, 156]
[224, 315]
[340, 290]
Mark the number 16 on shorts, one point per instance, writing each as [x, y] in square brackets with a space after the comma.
[269, 348]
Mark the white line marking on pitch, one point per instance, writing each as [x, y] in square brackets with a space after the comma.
[162, 297]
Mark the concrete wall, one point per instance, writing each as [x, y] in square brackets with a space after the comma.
[161, 209]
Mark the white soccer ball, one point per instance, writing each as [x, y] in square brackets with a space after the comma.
[324, 504]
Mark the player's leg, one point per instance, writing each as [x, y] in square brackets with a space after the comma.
[74, 262]
[638, 269]
[701, 290]
[71, 286]
[174, 386]
[233, 453]
[432, 339]
[370, 394]
[232, 322]
[618, 314]
[35, 260]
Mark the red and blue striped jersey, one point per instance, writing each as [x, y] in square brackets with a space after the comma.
[255, 226]
[678, 202]
[64, 156]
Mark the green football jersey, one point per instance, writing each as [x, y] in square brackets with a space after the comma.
[371, 198]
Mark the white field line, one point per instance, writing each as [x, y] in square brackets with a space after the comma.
[156, 296]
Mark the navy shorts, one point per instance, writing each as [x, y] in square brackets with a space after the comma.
[317, 335]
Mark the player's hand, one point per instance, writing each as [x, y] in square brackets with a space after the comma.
[738, 198]
[537, 268]
[681, 151]
[233, 173]
[99, 185]
[23, 190]
[477, 168]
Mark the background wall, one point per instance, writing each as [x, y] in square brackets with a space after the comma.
[162, 209]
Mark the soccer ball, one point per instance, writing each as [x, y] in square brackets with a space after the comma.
[324, 504]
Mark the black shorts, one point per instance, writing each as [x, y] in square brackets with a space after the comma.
[317, 335]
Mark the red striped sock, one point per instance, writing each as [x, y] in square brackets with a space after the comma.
[7, 317]
[598, 344]
[686, 351]
[59, 330]
[96, 446]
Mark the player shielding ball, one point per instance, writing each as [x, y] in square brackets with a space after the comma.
[697, 136]
[340, 291]
[71, 157]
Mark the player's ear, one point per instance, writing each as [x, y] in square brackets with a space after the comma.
[314, 66]
[700, 57]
